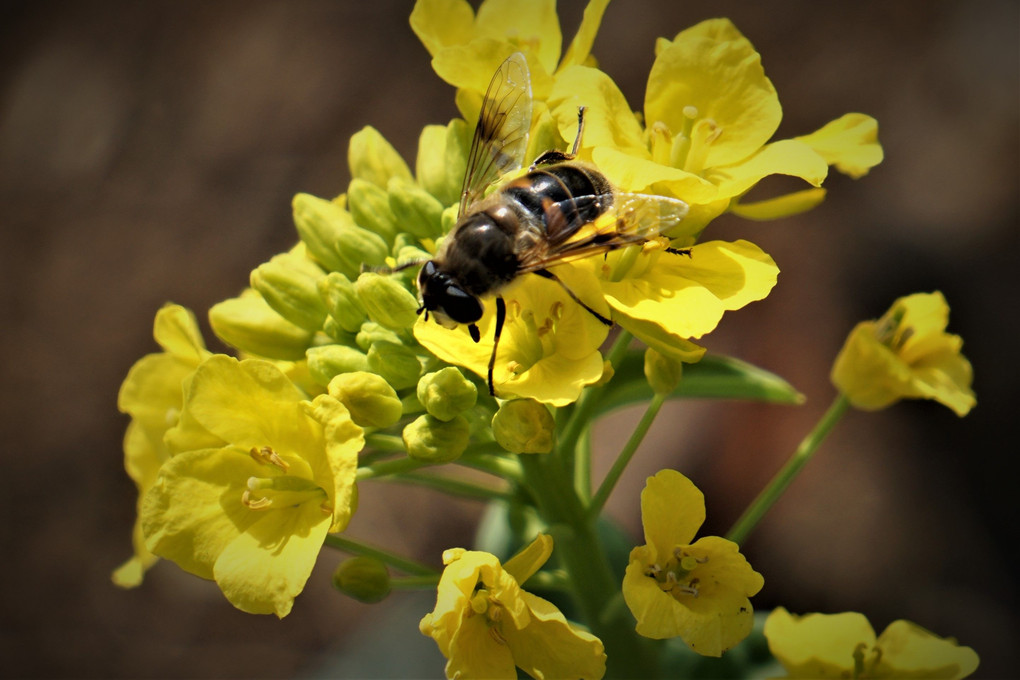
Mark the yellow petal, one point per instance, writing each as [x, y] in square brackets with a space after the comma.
[911, 651]
[442, 23]
[608, 121]
[633, 172]
[551, 647]
[530, 25]
[580, 46]
[530, 559]
[672, 510]
[817, 645]
[714, 72]
[786, 157]
[781, 206]
[850, 143]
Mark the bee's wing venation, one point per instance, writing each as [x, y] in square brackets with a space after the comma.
[632, 219]
[501, 135]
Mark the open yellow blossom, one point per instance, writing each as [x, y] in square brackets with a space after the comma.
[698, 591]
[487, 626]
[844, 646]
[152, 394]
[549, 347]
[905, 355]
[709, 113]
[257, 478]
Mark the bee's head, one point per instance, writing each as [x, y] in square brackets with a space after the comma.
[445, 299]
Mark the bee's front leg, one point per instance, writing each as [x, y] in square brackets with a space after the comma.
[500, 319]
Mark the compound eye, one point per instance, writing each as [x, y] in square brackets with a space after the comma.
[460, 306]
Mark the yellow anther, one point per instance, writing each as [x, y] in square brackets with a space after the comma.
[267, 456]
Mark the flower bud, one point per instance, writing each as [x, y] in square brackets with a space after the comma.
[328, 361]
[249, 324]
[442, 159]
[364, 578]
[369, 398]
[372, 158]
[433, 440]
[524, 426]
[396, 363]
[341, 300]
[332, 237]
[414, 209]
[662, 372]
[387, 302]
[288, 283]
[333, 329]
[446, 393]
[370, 208]
[371, 333]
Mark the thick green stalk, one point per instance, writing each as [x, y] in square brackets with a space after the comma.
[771, 493]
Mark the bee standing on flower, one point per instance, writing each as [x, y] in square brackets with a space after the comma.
[561, 210]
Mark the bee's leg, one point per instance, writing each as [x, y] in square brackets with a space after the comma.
[500, 318]
[545, 273]
[552, 156]
[679, 251]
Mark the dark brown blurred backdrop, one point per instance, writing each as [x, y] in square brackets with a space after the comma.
[149, 151]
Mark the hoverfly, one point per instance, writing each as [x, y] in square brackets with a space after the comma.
[561, 210]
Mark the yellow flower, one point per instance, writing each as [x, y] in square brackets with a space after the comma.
[710, 112]
[466, 47]
[258, 476]
[152, 394]
[905, 355]
[844, 645]
[487, 626]
[666, 299]
[549, 348]
[697, 591]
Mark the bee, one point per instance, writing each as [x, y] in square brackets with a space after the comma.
[561, 210]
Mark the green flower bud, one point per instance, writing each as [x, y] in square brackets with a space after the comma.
[396, 363]
[249, 324]
[370, 208]
[433, 440]
[332, 237]
[446, 393]
[663, 372]
[442, 159]
[366, 579]
[414, 209]
[524, 426]
[371, 333]
[387, 302]
[411, 405]
[373, 159]
[337, 333]
[288, 283]
[329, 361]
[369, 398]
[341, 300]
[450, 217]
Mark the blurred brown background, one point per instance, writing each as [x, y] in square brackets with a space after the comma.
[149, 151]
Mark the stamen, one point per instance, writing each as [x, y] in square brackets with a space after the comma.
[267, 456]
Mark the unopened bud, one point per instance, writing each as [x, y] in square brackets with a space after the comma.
[662, 372]
[446, 393]
[364, 578]
[249, 324]
[442, 159]
[524, 426]
[329, 361]
[433, 440]
[288, 283]
[372, 158]
[341, 300]
[371, 333]
[369, 398]
[370, 208]
[415, 210]
[396, 363]
[332, 237]
[386, 301]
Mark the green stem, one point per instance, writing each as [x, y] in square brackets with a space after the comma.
[357, 547]
[495, 464]
[384, 442]
[451, 486]
[584, 559]
[629, 449]
[771, 493]
[390, 467]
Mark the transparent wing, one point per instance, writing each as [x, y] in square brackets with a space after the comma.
[501, 135]
[632, 219]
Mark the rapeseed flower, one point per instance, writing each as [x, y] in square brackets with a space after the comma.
[905, 355]
[152, 394]
[257, 477]
[487, 626]
[698, 591]
[845, 646]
